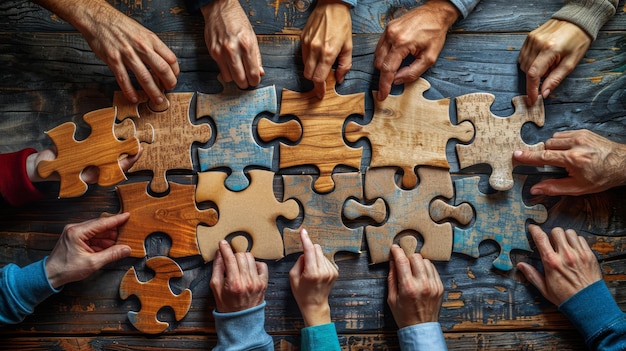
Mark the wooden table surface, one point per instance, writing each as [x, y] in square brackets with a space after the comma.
[49, 76]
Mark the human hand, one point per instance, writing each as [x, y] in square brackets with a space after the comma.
[415, 289]
[312, 277]
[420, 32]
[568, 262]
[593, 163]
[552, 51]
[238, 281]
[327, 36]
[122, 43]
[232, 43]
[89, 175]
[84, 248]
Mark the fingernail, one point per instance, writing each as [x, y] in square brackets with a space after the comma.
[305, 232]
[517, 153]
[126, 251]
[159, 100]
[536, 191]
[398, 81]
[545, 93]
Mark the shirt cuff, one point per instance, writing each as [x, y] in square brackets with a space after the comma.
[320, 337]
[589, 18]
[465, 6]
[15, 186]
[422, 337]
[242, 330]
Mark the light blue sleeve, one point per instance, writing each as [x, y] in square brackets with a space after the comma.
[22, 289]
[465, 6]
[596, 315]
[242, 330]
[422, 337]
[350, 2]
[320, 337]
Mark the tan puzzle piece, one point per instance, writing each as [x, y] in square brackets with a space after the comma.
[409, 210]
[175, 215]
[101, 149]
[155, 294]
[321, 143]
[496, 138]
[253, 210]
[174, 135]
[408, 130]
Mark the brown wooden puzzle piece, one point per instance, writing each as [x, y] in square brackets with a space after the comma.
[321, 143]
[253, 211]
[174, 135]
[408, 130]
[155, 294]
[101, 149]
[496, 138]
[409, 210]
[175, 215]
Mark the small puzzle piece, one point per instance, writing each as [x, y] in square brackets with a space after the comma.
[175, 215]
[252, 211]
[323, 213]
[126, 130]
[408, 130]
[409, 210]
[101, 149]
[233, 111]
[496, 137]
[173, 133]
[500, 217]
[155, 294]
[321, 143]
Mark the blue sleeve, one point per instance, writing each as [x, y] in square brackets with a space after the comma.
[195, 5]
[594, 312]
[465, 6]
[320, 337]
[422, 337]
[243, 330]
[350, 2]
[22, 289]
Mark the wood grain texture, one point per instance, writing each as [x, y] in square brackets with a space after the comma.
[101, 149]
[155, 294]
[252, 211]
[408, 130]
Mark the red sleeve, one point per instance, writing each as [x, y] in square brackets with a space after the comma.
[15, 186]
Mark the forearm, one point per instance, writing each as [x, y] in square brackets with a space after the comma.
[80, 14]
[590, 16]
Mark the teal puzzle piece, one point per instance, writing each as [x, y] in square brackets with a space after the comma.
[233, 111]
[500, 216]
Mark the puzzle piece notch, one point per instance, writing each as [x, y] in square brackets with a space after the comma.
[101, 149]
[496, 138]
[174, 135]
[440, 210]
[321, 144]
[409, 130]
[233, 112]
[408, 210]
[260, 224]
[323, 213]
[155, 294]
[500, 216]
[175, 215]
[127, 129]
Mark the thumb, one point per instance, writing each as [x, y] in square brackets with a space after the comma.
[560, 186]
[534, 277]
[296, 271]
[555, 78]
[392, 282]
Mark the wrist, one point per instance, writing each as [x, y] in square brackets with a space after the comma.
[54, 275]
[316, 315]
[446, 11]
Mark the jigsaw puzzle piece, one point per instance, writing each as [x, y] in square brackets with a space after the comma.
[155, 294]
[175, 215]
[409, 130]
[126, 130]
[323, 213]
[321, 144]
[235, 215]
[126, 108]
[233, 112]
[101, 149]
[500, 216]
[440, 210]
[496, 137]
[408, 210]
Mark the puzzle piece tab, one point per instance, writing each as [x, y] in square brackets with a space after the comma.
[101, 149]
[408, 210]
[252, 211]
[175, 215]
[321, 143]
[233, 111]
[173, 133]
[408, 130]
[500, 217]
[323, 213]
[155, 294]
[496, 137]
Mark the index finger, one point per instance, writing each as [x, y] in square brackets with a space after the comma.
[310, 257]
[230, 261]
[541, 240]
[388, 66]
[401, 262]
[541, 158]
[103, 224]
